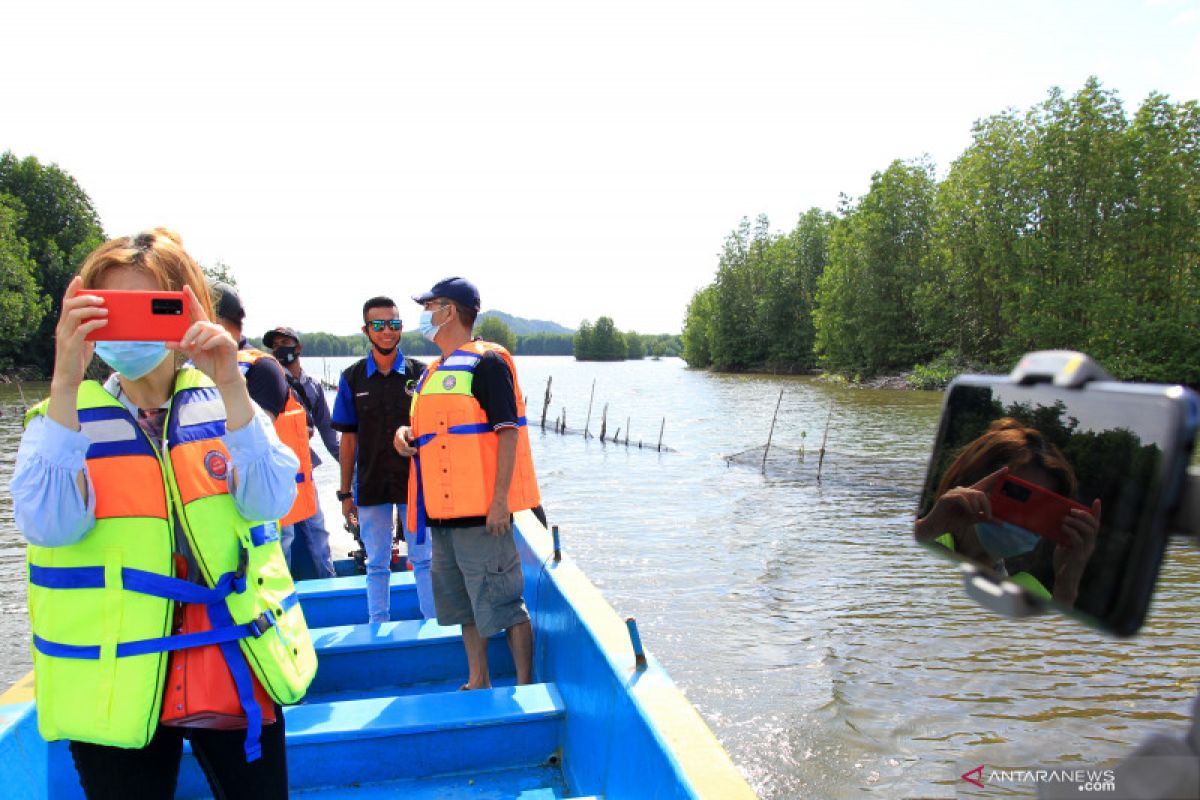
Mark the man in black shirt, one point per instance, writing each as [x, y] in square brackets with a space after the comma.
[373, 399]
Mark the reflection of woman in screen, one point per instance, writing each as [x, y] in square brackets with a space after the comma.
[961, 518]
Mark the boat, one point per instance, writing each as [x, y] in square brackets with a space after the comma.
[383, 716]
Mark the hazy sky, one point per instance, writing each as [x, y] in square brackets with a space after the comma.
[574, 159]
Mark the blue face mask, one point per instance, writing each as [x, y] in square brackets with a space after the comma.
[132, 359]
[426, 326]
[1005, 540]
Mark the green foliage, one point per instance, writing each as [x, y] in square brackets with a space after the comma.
[698, 329]
[1070, 226]
[492, 329]
[600, 342]
[546, 344]
[868, 295]
[55, 219]
[938, 373]
[22, 308]
[759, 311]
[635, 347]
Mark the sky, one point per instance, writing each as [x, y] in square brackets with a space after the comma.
[573, 159]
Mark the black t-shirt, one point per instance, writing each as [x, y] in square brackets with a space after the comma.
[374, 406]
[267, 383]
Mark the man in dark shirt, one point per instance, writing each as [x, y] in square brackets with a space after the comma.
[373, 400]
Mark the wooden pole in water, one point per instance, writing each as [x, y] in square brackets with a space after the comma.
[604, 422]
[627, 431]
[588, 424]
[771, 432]
[660, 433]
[825, 438]
[546, 401]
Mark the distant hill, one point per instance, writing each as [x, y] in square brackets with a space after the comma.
[521, 326]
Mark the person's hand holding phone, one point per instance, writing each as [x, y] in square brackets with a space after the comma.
[960, 507]
[214, 352]
[1079, 529]
[81, 314]
[209, 346]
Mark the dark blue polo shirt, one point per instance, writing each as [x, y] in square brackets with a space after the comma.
[373, 405]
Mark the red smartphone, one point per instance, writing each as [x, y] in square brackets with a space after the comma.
[1032, 507]
[136, 316]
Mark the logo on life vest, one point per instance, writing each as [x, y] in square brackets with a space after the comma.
[448, 382]
[216, 465]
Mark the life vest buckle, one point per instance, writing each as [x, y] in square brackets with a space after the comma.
[262, 623]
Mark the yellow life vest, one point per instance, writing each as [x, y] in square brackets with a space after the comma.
[101, 609]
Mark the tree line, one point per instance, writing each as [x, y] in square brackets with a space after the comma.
[603, 342]
[1068, 226]
[48, 225]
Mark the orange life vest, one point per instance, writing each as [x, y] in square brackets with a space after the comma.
[454, 473]
[292, 427]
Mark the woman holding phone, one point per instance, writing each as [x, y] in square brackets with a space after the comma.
[158, 488]
[961, 518]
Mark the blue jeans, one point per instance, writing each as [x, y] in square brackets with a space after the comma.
[313, 534]
[375, 526]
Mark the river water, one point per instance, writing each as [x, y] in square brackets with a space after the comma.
[831, 656]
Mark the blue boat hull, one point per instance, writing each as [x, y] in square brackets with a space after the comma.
[383, 716]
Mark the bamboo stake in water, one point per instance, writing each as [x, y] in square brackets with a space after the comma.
[588, 423]
[604, 422]
[627, 431]
[546, 401]
[660, 433]
[825, 438]
[771, 433]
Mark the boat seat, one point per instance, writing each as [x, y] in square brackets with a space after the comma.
[391, 654]
[343, 601]
[393, 738]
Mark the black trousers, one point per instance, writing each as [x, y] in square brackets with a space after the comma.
[116, 773]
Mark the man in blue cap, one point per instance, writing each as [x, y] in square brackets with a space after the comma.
[468, 477]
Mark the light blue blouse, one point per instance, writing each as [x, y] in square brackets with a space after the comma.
[50, 512]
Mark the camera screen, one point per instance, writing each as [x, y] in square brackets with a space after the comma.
[1114, 452]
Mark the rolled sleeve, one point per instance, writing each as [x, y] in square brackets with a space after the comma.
[47, 506]
[265, 470]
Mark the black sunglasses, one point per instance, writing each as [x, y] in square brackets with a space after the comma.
[378, 324]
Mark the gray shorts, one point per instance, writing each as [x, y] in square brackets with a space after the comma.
[477, 579]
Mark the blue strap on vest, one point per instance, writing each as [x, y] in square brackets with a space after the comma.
[218, 615]
[140, 581]
[225, 633]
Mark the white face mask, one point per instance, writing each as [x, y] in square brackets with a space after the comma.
[425, 324]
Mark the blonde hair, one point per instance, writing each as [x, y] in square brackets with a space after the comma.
[159, 253]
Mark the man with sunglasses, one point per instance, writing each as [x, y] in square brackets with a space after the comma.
[373, 400]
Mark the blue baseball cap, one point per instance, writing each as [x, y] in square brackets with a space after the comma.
[460, 290]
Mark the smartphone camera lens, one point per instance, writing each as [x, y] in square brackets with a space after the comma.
[167, 306]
